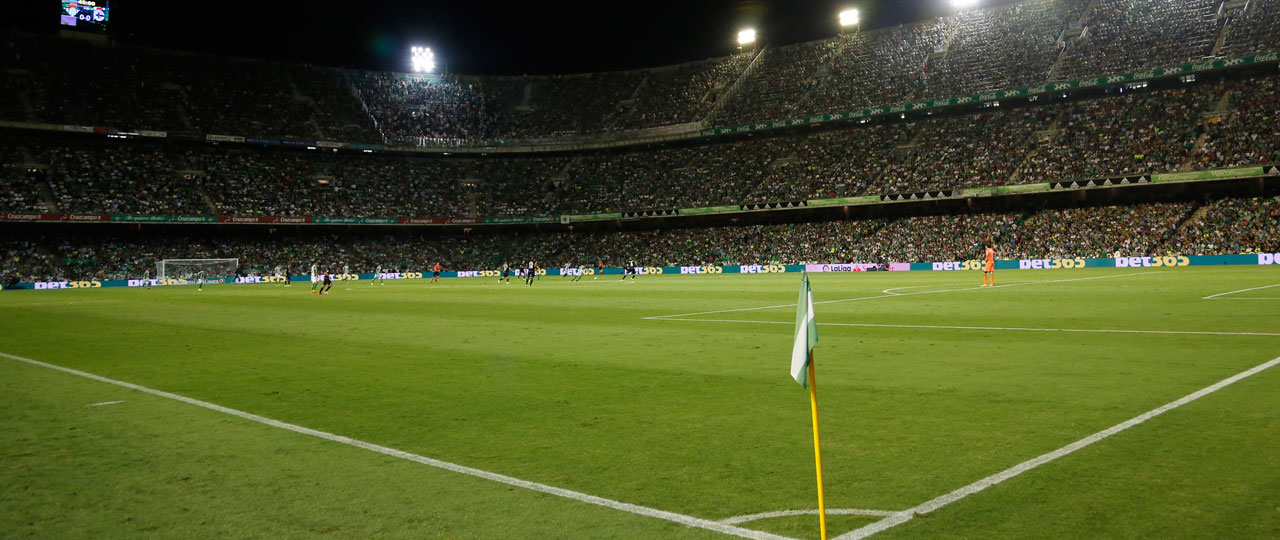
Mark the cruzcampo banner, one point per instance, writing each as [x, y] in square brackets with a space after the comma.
[1240, 172]
[596, 217]
[845, 201]
[709, 210]
[1022, 188]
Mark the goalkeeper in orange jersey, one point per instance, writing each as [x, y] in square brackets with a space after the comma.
[989, 266]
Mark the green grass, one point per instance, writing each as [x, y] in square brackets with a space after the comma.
[567, 384]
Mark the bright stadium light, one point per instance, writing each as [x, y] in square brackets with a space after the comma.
[747, 37]
[422, 59]
[962, 4]
[849, 17]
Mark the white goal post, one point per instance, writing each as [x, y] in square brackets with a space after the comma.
[179, 271]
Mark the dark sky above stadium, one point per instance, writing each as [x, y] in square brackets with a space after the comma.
[478, 37]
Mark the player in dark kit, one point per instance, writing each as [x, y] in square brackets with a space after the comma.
[328, 283]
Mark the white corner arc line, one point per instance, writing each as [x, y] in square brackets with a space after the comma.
[895, 295]
[997, 328]
[682, 519]
[944, 500]
[813, 512]
[1212, 296]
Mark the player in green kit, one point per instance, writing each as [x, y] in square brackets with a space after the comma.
[200, 280]
[377, 276]
[315, 278]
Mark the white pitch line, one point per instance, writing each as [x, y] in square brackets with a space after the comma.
[1240, 291]
[939, 502]
[895, 295]
[1000, 328]
[788, 513]
[104, 403]
[682, 519]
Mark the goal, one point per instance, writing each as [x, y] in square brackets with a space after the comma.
[181, 271]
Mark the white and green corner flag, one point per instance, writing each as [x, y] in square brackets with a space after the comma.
[806, 332]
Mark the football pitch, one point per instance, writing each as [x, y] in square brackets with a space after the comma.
[1112, 403]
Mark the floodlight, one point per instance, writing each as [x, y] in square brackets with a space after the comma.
[747, 36]
[961, 4]
[849, 17]
[422, 59]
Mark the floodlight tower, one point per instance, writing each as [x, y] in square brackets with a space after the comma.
[746, 38]
[849, 18]
[422, 59]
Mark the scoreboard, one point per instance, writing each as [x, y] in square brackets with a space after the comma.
[86, 15]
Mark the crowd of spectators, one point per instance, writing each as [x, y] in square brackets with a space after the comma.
[1010, 46]
[1247, 133]
[877, 67]
[1234, 225]
[409, 110]
[682, 93]
[982, 149]
[1229, 226]
[1119, 133]
[1005, 46]
[142, 179]
[1122, 133]
[1122, 36]
[1257, 30]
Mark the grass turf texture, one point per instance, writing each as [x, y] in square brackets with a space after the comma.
[568, 385]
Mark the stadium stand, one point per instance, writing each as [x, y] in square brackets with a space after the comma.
[1009, 46]
[1204, 125]
[1234, 225]
[1256, 30]
[1120, 36]
[1245, 133]
[968, 52]
[1229, 225]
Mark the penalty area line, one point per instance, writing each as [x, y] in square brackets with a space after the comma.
[723, 528]
[976, 487]
[1212, 296]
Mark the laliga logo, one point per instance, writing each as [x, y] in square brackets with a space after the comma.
[1269, 258]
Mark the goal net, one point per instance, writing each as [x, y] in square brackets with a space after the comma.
[184, 271]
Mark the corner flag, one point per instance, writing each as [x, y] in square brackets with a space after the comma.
[806, 332]
[802, 370]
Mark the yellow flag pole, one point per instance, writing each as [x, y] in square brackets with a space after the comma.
[817, 446]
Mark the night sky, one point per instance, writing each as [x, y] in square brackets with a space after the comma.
[476, 37]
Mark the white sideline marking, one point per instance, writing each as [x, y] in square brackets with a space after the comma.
[1014, 329]
[892, 295]
[104, 403]
[939, 502]
[682, 519]
[1240, 291]
[788, 513]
